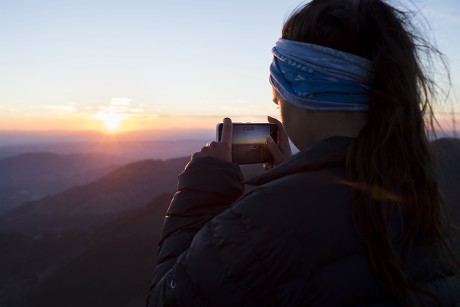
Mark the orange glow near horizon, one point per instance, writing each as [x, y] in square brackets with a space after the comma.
[114, 123]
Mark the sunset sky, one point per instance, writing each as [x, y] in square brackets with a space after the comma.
[143, 64]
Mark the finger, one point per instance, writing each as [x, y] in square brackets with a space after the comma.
[282, 135]
[283, 138]
[273, 120]
[227, 132]
[210, 143]
[278, 156]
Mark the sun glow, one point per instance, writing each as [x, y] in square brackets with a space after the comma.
[111, 120]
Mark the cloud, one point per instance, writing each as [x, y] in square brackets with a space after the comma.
[121, 109]
[123, 106]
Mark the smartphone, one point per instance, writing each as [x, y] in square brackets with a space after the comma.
[249, 142]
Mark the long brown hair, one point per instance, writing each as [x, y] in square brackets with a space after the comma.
[391, 159]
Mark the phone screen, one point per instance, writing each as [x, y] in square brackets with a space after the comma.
[249, 142]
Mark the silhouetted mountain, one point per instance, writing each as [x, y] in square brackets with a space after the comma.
[111, 267]
[89, 205]
[32, 176]
[447, 152]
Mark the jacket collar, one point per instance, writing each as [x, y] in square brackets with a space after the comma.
[323, 154]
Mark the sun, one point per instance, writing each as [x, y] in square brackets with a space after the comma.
[112, 124]
[111, 120]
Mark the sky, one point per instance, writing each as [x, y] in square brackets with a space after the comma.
[147, 64]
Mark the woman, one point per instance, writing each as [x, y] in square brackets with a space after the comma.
[355, 218]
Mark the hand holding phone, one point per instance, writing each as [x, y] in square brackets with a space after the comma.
[249, 141]
[222, 149]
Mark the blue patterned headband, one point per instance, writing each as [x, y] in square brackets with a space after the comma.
[319, 78]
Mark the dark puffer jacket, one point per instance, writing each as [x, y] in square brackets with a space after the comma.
[289, 242]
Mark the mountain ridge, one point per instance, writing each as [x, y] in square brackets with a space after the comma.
[81, 207]
[31, 176]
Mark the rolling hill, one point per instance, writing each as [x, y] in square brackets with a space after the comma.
[31, 176]
[92, 204]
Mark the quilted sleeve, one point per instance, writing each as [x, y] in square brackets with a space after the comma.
[206, 187]
[221, 267]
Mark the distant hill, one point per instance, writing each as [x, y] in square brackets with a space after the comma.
[32, 176]
[125, 149]
[92, 204]
[24, 137]
[32, 171]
